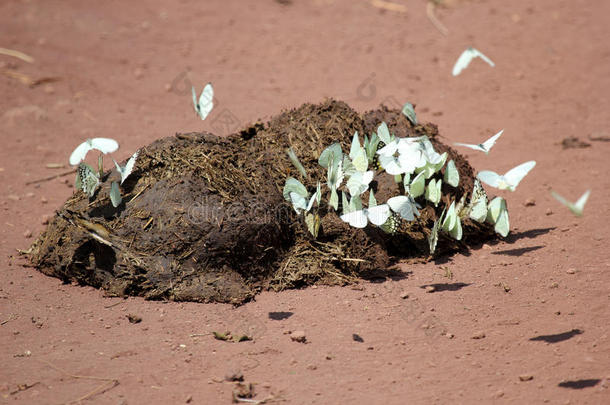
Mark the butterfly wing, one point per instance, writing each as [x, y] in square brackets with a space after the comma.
[195, 104]
[580, 204]
[115, 194]
[479, 54]
[294, 186]
[332, 152]
[409, 112]
[296, 162]
[403, 206]
[433, 191]
[433, 237]
[129, 166]
[383, 132]
[313, 224]
[78, 155]
[514, 176]
[450, 218]
[104, 145]
[88, 178]
[357, 219]
[489, 177]
[478, 203]
[456, 231]
[452, 175]
[355, 148]
[562, 200]
[390, 165]
[495, 208]
[418, 185]
[488, 144]
[463, 61]
[378, 214]
[298, 202]
[502, 225]
[206, 101]
[469, 145]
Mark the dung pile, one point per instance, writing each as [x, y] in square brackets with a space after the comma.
[203, 218]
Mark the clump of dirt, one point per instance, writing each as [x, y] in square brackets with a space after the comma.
[204, 219]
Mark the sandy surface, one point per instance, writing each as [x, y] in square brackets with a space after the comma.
[533, 307]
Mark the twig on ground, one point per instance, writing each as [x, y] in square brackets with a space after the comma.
[109, 383]
[50, 177]
[389, 6]
[430, 7]
[17, 54]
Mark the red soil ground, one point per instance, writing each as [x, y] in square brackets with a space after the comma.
[121, 73]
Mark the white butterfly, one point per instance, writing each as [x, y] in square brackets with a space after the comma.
[87, 179]
[370, 146]
[409, 112]
[433, 237]
[430, 168]
[358, 155]
[115, 194]
[577, 207]
[404, 206]
[334, 179]
[333, 151]
[452, 175]
[452, 223]
[411, 155]
[206, 101]
[433, 191]
[296, 162]
[485, 146]
[104, 145]
[497, 214]
[383, 132]
[477, 208]
[466, 57]
[377, 215]
[417, 185]
[126, 170]
[299, 201]
[510, 180]
[359, 182]
[296, 193]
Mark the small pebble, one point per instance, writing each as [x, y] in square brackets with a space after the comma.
[44, 200]
[13, 197]
[27, 234]
[449, 335]
[530, 202]
[571, 270]
[549, 211]
[404, 295]
[526, 377]
[430, 289]
[478, 335]
[298, 336]
[49, 89]
[45, 219]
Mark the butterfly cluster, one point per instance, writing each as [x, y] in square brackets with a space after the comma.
[88, 179]
[414, 164]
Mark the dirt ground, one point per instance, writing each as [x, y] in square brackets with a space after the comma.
[522, 320]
